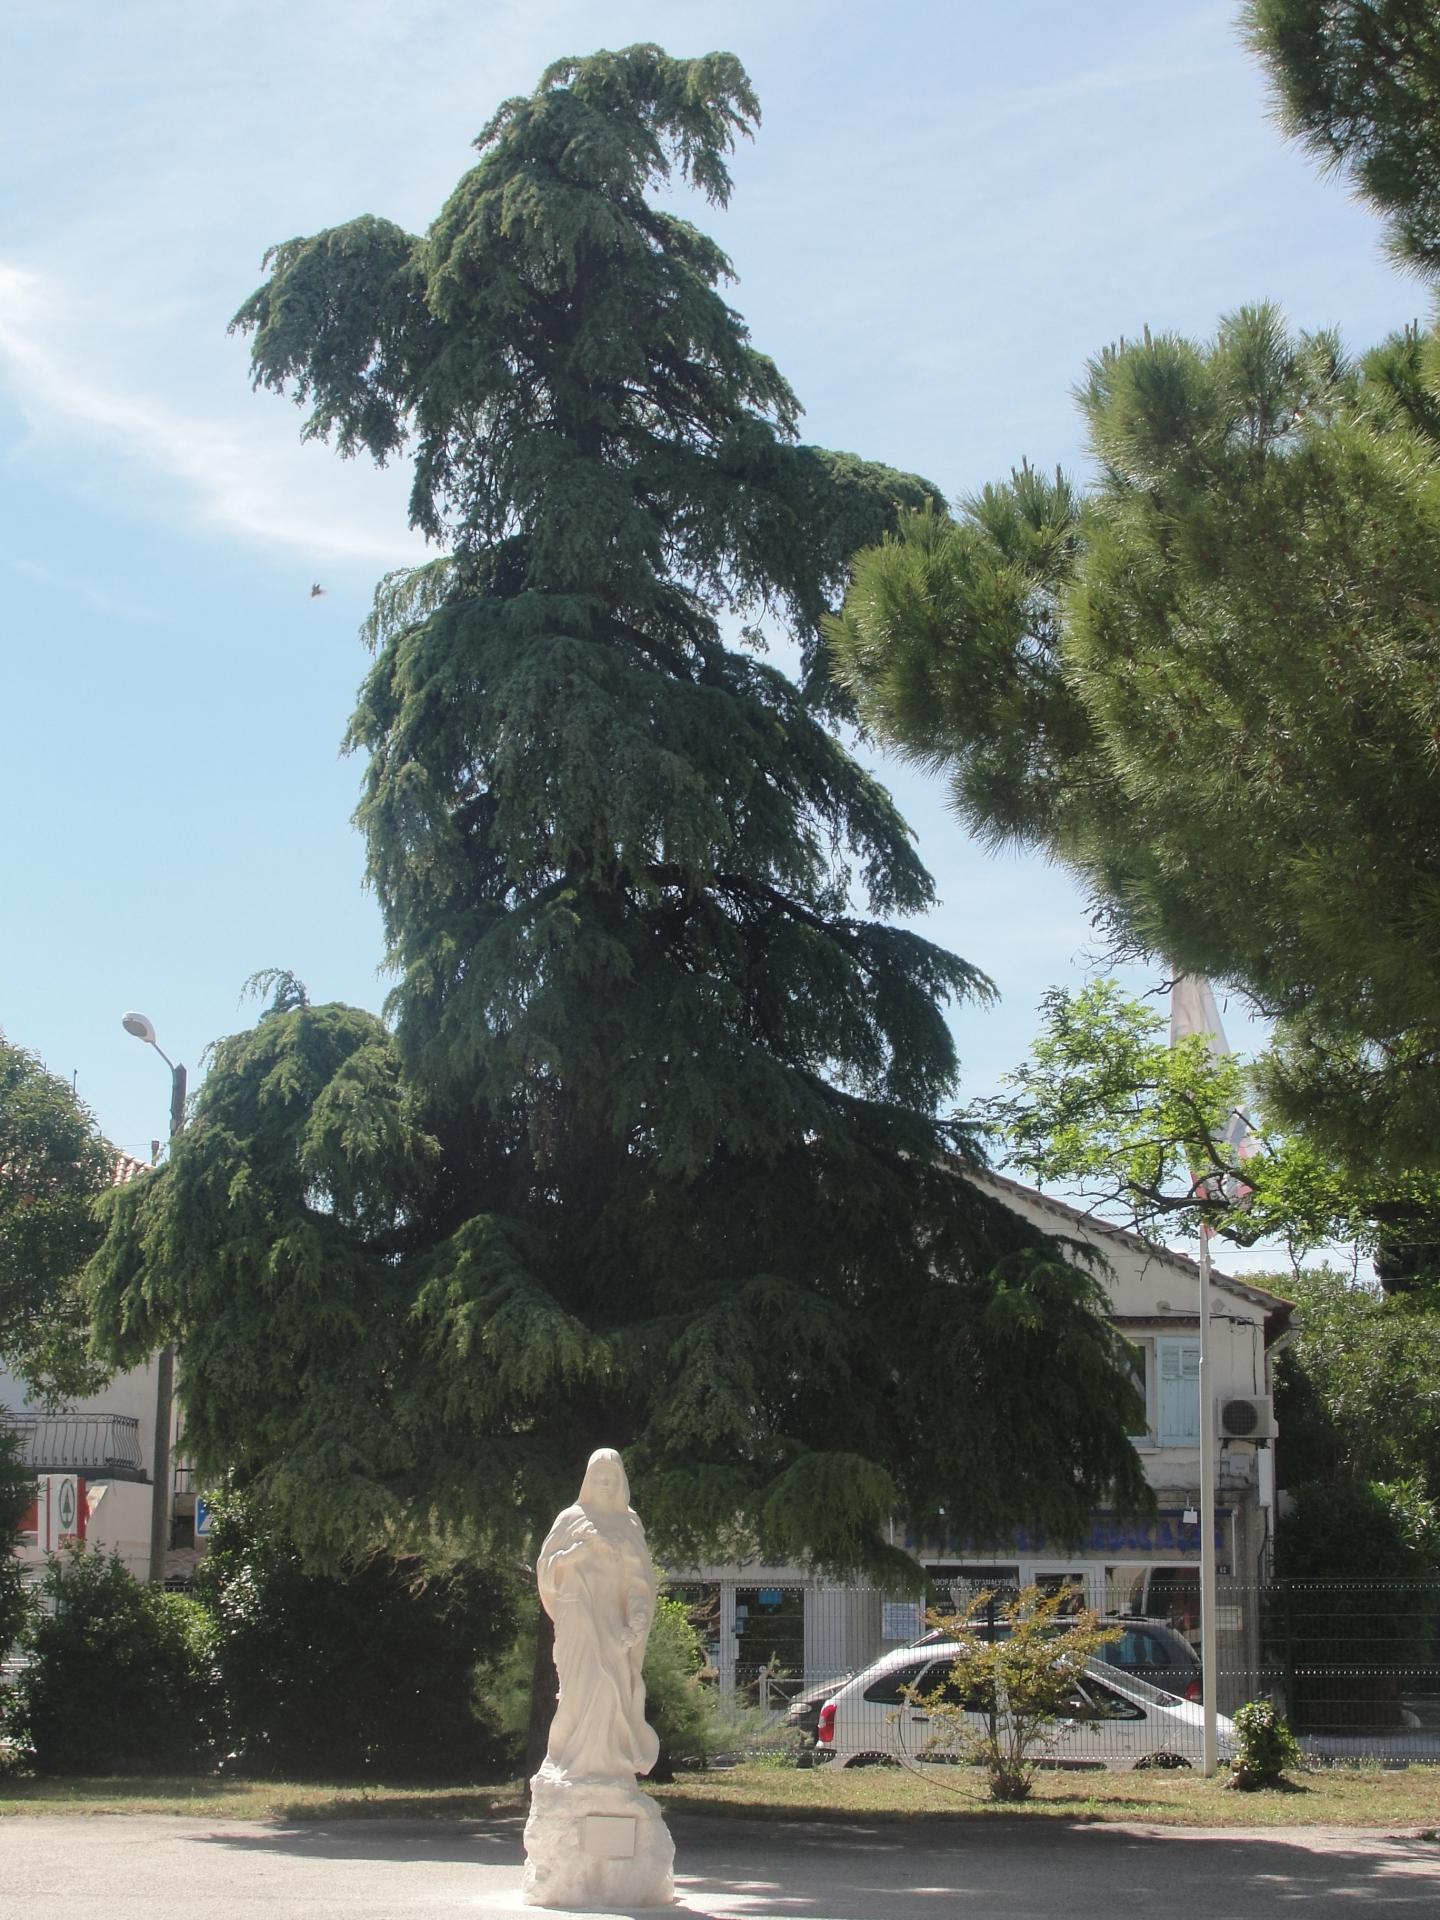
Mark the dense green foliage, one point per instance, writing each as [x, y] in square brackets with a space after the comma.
[1264, 1747]
[1210, 689]
[1358, 1603]
[652, 1159]
[679, 1705]
[1357, 1390]
[1107, 1107]
[17, 1485]
[53, 1162]
[343, 1678]
[1357, 1397]
[120, 1676]
[17, 1490]
[1358, 81]
[1360, 1530]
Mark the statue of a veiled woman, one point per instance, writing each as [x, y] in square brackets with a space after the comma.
[597, 1583]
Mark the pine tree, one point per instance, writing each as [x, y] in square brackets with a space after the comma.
[652, 1157]
[1209, 687]
[1358, 83]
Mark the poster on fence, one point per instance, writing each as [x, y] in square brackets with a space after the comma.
[900, 1620]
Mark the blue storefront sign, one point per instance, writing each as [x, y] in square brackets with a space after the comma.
[1165, 1535]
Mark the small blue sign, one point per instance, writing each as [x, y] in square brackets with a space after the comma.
[202, 1517]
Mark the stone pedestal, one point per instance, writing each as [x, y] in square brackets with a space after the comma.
[596, 1845]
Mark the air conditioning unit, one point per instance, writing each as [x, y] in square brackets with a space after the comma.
[1246, 1417]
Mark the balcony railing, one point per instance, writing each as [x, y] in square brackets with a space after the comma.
[100, 1446]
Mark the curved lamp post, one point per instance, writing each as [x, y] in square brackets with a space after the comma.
[144, 1029]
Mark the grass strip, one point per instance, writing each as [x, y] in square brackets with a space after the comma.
[1341, 1797]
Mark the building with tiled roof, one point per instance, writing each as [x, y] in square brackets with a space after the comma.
[769, 1616]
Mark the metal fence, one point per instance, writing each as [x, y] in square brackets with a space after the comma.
[1356, 1664]
[1353, 1665]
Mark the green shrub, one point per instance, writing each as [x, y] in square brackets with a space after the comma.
[120, 1677]
[15, 1605]
[678, 1704]
[17, 1490]
[1357, 1605]
[369, 1674]
[1264, 1747]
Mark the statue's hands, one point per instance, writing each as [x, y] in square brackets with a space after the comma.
[576, 1548]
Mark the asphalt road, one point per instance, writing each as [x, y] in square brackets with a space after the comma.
[133, 1867]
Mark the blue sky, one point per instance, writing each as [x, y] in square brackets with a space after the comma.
[948, 209]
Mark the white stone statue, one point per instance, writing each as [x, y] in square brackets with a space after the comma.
[597, 1584]
[592, 1839]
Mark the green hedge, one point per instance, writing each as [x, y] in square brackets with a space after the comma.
[119, 1677]
[343, 1677]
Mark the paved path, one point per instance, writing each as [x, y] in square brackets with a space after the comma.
[136, 1867]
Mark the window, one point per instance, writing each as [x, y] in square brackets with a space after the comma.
[1139, 1368]
[1177, 1393]
[1091, 1700]
[941, 1679]
[890, 1688]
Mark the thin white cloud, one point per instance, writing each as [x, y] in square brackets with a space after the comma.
[90, 595]
[239, 479]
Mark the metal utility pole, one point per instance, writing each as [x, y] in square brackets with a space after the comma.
[160, 1492]
[1209, 1663]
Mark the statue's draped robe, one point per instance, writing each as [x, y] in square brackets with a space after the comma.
[597, 1584]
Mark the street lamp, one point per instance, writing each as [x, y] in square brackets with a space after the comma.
[143, 1028]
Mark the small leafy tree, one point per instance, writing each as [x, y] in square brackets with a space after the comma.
[121, 1675]
[1357, 1391]
[1020, 1678]
[1264, 1747]
[1106, 1106]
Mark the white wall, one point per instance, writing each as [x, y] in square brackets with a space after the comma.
[120, 1518]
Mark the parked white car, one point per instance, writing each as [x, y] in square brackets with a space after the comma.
[1113, 1719]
